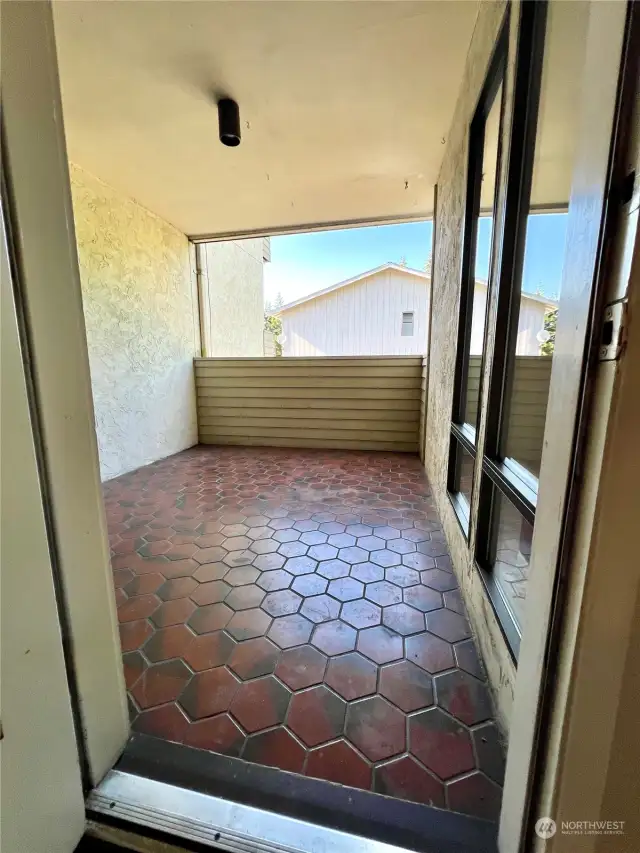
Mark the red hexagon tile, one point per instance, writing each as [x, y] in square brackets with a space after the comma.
[247, 624]
[335, 637]
[422, 598]
[464, 697]
[283, 602]
[429, 653]
[380, 644]
[475, 795]
[441, 743]
[143, 584]
[161, 683]
[254, 658]
[295, 608]
[316, 715]
[376, 728]
[320, 608]
[403, 619]
[177, 568]
[167, 643]
[287, 631]
[206, 651]
[217, 734]
[210, 572]
[209, 692]
[352, 676]
[451, 626]
[212, 592]
[405, 779]
[301, 667]
[133, 634]
[275, 748]
[406, 686]
[260, 704]
[167, 722]
[138, 607]
[339, 762]
[134, 665]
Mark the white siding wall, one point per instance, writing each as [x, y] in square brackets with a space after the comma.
[477, 319]
[361, 319]
[365, 318]
[529, 324]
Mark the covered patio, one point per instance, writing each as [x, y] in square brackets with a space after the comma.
[296, 608]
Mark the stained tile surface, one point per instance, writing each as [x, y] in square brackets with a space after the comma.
[298, 609]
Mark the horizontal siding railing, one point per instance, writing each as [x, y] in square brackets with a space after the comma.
[528, 411]
[348, 403]
[423, 406]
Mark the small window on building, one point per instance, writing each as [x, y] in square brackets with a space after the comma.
[407, 323]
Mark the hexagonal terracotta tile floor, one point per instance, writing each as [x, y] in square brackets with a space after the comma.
[297, 609]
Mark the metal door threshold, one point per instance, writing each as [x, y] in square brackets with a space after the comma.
[218, 823]
[215, 801]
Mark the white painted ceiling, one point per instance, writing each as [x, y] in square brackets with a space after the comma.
[344, 105]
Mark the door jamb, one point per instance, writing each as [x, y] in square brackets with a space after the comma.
[35, 161]
[547, 602]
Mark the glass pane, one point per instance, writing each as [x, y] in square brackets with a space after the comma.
[463, 477]
[513, 550]
[534, 341]
[482, 255]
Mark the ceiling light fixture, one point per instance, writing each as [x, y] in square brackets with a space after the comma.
[229, 122]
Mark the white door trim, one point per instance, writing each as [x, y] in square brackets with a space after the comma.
[39, 763]
[35, 161]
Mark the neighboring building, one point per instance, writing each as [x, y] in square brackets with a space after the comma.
[235, 272]
[385, 311]
[530, 321]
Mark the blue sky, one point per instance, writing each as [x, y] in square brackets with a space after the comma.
[303, 263]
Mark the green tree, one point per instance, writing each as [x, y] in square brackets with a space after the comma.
[272, 323]
[403, 261]
[550, 320]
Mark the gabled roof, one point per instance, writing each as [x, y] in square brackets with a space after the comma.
[534, 297]
[388, 266]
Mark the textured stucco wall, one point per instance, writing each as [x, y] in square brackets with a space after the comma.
[446, 298]
[140, 310]
[236, 297]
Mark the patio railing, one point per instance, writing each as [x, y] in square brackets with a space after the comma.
[357, 403]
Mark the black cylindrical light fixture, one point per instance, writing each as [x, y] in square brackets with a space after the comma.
[229, 122]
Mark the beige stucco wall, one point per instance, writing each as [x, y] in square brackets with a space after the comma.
[446, 298]
[140, 310]
[236, 297]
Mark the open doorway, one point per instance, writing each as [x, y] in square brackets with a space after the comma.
[259, 487]
[284, 591]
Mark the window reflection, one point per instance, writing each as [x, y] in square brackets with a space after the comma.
[534, 298]
[482, 254]
[533, 340]
[513, 551]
